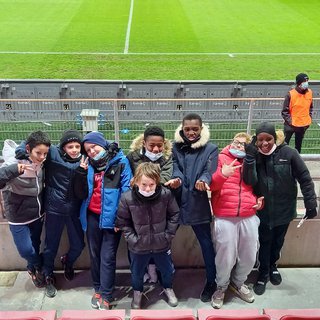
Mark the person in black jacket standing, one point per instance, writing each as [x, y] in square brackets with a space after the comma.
[148, 216]
[274, 168]
[194, 161]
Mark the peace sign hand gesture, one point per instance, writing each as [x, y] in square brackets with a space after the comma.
[228, 170]
[84, 163]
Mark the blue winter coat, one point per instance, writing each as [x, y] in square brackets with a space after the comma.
[116, 180]
[192, 163]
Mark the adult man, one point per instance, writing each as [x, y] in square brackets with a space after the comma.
[297, 110]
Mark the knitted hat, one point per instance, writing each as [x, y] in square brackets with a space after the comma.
[95, 137]
[301, 77]
[266, 127]
[70, 136]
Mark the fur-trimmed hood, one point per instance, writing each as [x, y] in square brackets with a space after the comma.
[204, 139]
[137, 145]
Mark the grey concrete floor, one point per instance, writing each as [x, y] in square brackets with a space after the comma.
[299, 289]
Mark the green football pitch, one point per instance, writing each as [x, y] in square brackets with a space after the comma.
[159, 39]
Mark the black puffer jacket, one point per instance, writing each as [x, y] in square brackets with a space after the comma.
[149, 225]
[275, 177]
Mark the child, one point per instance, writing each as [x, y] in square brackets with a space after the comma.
[151, 146]
[24, 180]
[100, 180]
[148, 216]
[236, 224]
[61, 206]
[274, 168]
[194, 161]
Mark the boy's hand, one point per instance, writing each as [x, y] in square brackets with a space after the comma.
[22, 167]
[228, 170]
[202, 185]
[173, 183]
[259, 204]
[84, 163]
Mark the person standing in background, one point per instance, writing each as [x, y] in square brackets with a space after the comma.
[297, 110]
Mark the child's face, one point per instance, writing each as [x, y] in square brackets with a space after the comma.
[146, 184]
[72, 149]
[191, 129]
[265, 142]
[154, 144]
[38, 154]
[239, 143]
[92, 149]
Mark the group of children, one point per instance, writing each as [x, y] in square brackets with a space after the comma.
[90, 186]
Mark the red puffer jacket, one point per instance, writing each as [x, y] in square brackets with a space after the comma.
[231, 197]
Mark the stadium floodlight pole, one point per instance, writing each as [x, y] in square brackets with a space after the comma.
[116, 121]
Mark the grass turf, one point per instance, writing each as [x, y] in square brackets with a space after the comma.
[159, 30]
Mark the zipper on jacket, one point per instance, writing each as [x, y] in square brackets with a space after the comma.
[240, 188]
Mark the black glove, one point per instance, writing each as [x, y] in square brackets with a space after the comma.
[311, 213]
[251, 149]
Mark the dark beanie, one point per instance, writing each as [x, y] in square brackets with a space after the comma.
[301, 77]
[95, 137]
[266, 127]
[70, 136]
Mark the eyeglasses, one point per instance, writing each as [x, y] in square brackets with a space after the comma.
[237, 143]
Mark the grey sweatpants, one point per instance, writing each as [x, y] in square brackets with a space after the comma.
[236, 245]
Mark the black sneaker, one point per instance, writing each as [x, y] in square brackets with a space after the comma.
[51, 290]
[207, 292]
[37, 278]
[260, 287]
[275, 276]
[68, 270]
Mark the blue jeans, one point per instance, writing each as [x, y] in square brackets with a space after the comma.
[54, 225]
[203, 234]
[103, 245]
[163, 262]
[27, 238]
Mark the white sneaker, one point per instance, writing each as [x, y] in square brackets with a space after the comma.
[172, 299]
[136, 300]
[217, 298]
[153, 277]
[243, 292]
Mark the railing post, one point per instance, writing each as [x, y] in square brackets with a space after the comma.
[250, 116]
[116, 121]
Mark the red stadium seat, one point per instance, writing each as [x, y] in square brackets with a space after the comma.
[244, 314]
[289, 317]
[277, 314]
[93, 314]
[28, 315]
[181, 314]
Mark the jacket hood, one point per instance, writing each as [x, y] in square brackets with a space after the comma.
[8, 152]
[204, 139]
[137, 145]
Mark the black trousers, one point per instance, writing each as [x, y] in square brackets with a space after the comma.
[298, 135]
[271, 242]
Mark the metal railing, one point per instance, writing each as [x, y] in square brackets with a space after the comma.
[123, 119]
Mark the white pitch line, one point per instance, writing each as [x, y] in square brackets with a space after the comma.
[165, 53]
[126, 45]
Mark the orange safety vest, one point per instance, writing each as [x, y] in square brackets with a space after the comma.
[299, 108]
